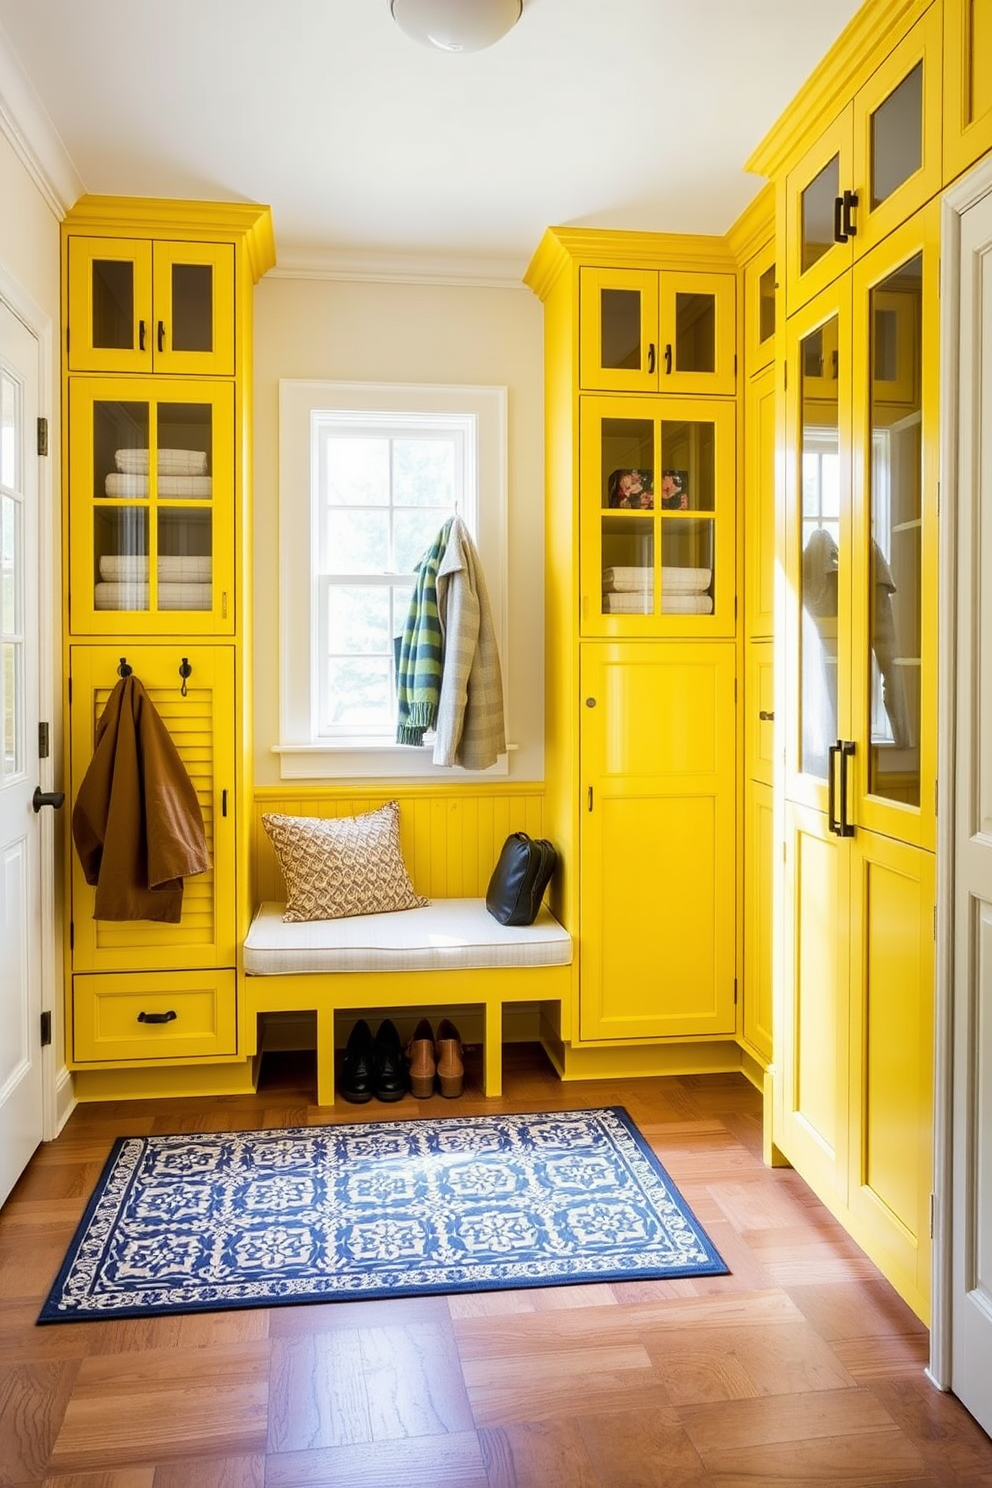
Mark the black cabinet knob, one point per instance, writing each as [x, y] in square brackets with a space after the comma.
[47, 798]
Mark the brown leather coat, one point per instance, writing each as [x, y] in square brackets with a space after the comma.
[137, 823]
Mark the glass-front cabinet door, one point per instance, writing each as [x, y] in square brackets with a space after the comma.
[875, 165]
[642, 330]
[137, 306]
[657, 495]
[151, 518]
[967, 83]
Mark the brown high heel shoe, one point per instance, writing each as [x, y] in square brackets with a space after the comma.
[450, 1066]
[420, 1053]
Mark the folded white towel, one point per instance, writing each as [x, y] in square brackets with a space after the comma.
[133, 567]
[122, 596]
[628, 604]
[641, 580]
[175, 487]
[628, 580]
[686, 604]
[170, 461]
[671, 604]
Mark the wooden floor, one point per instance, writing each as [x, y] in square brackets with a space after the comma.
[800, 1368]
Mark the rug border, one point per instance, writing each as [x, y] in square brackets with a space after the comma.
[715, 1265]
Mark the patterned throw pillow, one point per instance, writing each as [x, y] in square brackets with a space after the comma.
[348, 865]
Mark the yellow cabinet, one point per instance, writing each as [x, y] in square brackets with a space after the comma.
[657, 851]
[967, 110]
[641, 330]
[873, 166]
[151, 506]
[139, 306]
[759, 840]
[198, 710]
[759, 711]
[149, 1018]
[657, 537]
[761, 287]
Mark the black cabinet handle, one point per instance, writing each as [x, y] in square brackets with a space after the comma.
[846, 828]
[650, 356]
[833, 825]
[668, 359]
[169, 1017]
[766, 716]
[839, 234]
[47, 798]
[161, 335]
[850, 202]
[141, 335]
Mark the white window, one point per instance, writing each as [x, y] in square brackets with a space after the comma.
[369, 474]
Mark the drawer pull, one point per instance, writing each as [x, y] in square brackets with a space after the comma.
[169, 1017]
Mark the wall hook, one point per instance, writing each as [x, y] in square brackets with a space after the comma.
[185, 670]
[124, 670]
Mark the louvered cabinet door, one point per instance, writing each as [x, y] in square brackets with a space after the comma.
[199, 713]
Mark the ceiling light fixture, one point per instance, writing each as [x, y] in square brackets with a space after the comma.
[456, 25]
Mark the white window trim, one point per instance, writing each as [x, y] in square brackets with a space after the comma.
[301, 755]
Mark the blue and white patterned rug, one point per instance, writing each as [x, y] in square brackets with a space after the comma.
[375, 1209]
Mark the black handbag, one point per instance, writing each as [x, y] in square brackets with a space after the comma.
[520, 878]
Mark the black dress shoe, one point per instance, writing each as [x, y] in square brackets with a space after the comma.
[357, 1082]
[391, 1082]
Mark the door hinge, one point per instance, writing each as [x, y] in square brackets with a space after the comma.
[46, 1029]
[72, 935]
[43, 436]
[735, 364]
[223, 803]
[43, 741]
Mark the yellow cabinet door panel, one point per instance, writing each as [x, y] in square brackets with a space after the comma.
[657, 854]
[201, 724]
[759, 709]
[760, 309]
[143, 1019]
[811, 1116]
[649, 331]
[892, 922]
[151, 552]
[139, 306]
[759, 847]
[761, 481]
[967, 83]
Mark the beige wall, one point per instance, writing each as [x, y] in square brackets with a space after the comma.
[365, 332]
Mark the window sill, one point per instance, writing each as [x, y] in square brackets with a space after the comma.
[375, 759]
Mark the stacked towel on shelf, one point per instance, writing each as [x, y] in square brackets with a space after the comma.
[135, 596]
[630, 591]
[170, 461]
[184, 582]
[177, 569]
[181, 474]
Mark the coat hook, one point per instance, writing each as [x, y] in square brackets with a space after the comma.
[185, 670]
[124, 670]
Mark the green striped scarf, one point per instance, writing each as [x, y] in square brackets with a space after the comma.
[418, 668]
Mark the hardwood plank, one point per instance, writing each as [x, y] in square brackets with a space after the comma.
[414, 1382]
[317, 1396]
[33, 1400]
[784, 1418]
[125, 1477]
[633, 1448]
[212, 1472]
[860, 1460]
[538, 1455]
[452, 1460]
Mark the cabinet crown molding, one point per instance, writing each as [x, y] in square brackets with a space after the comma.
[610, 248]
[154, 217]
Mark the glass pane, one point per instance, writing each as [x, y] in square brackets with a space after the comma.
[120, 450]
[13, 683]
[357, 541]
[9, 474]
[695, 333]
[9, 528]
[113, 304]
[628, 564]
[766, 305]
[185, 563]
[687, 566]
[897, 137]
[896, 489]
[359, 692]
[185, 451]
[820, 559]
[627, 464]
[818, 213]
[356, 471]
[620, 328]
[688, 465]
[192, 307]
[359, 620]
[413, 533]
[424, 472]
[120, 558]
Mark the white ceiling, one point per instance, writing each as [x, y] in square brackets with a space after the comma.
[372, 149]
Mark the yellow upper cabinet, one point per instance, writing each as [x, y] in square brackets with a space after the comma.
[967, 83]
[872, 167]
[139, 306]
[760, 309]
[644, 331]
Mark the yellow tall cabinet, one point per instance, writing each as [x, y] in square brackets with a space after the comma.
[641, 585]
[156, 306]
[858, 236]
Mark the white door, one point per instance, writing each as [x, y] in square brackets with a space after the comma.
[21, 1107]
[971, 1217]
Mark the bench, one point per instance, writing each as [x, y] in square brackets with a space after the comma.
[447, 954]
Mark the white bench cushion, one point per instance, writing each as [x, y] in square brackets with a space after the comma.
[448, 934]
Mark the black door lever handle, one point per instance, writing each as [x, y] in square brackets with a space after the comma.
[47, 798]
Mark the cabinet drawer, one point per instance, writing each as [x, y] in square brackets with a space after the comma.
[139, 1017]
